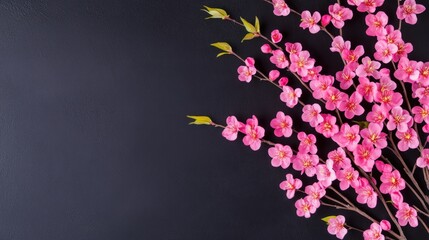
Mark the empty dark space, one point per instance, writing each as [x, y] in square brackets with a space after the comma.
[94, 142]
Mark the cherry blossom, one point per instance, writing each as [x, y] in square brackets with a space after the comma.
[276, 36]
[407, 215]
[281, 155]
[423, 160]
[339, 15]
[304, 207]
[246, 72]
[409, 11]
[373, 233]
[280, 8]
[336, 226]
[290, 96]
[282, 125]
[290, 185]
[233, 127]
[391, 182]
[376, 24]
[254, 133]
[310, 21]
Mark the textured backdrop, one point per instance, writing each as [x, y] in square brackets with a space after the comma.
[94, 143]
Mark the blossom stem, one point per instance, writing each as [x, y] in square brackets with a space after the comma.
[421, 211]
[423, 223]
[406, 169]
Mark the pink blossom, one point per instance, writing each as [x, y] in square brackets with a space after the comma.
[407, 139]
[374, 135]
[393, 36]
[280, 8]
[293, 48]
[290, 185]
[325, 173]
[391, 182]
[321, 85]
[403, 50]
[279, 59]
[233, 127]
[326, 19]
[273, 75]
[245, 73]
[345, 77]
[377, 114]
[283, 81]
[407, 70]
[352, 56]
[365, 156]
[366, 194]
[304, 207]
[281, 155]
[315, 192]
[383, 167]
[409, 11]
[351, 106]
[423, 160]
[369, 5]
[373, 233]
[376, 24]
[338, 44]
[290, 96]
[339, 15]
[385, 51]
[312, 74]
[407, 215]
[254, 133]
[354, 2]
[397, 199]
[385, 225]
[386, 84]
[306, 163]
[348, 177]
[423, 94]
[423, 69]
[367, 89]
[282, 125]
[276, 36]
[311, 114]
[368, 68]
[301, 63]
[327, 127]
[348, 136]
[266, 48]
[338, 156]
[336, 226]
[333, 98]
[388, 99]
[310, 21]
[307, 143]
[399, 119]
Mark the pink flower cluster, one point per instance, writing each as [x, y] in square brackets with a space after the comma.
[363, 109]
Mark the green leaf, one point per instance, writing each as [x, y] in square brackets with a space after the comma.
[200, 120]
[248, 36]
[215, 12]
[326, 219]
[257, 25]
[222, 53]
[224, 46]
[362, 124]
[249, 27]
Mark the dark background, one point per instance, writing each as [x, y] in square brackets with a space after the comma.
[94, 143]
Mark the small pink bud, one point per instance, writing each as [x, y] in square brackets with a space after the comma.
[283, 81]
[396, 198]
[379, 165]
[326, 19]
[385, 225]
[273, 75]
[426, 128]
[266, 48]
[276, 36]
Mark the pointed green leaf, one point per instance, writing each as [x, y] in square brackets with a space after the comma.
[249, 27]
[222, 53]
[326, 219]
[257, 25]
[200, 120]
[224, 46]
[362, 124]
[248, 36]
[215, 12]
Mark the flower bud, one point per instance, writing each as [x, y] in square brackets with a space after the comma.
[326, 19]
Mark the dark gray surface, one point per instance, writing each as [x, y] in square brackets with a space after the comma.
[93, 139]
